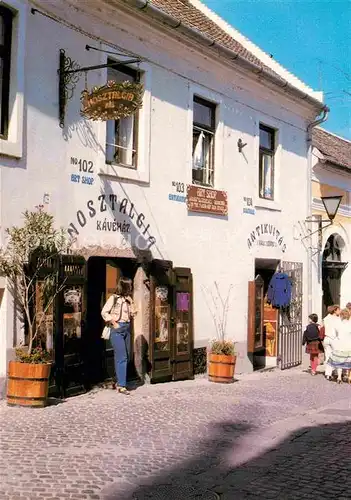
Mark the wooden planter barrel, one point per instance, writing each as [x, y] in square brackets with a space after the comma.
[221, 368]
[27, 384]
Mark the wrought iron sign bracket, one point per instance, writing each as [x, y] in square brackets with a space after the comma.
[320, 229]
[69, 73]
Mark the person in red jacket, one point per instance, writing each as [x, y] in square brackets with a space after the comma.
[311, 338]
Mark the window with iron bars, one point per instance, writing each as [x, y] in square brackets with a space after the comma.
[122, 134]
[204, 129]
[266, 163]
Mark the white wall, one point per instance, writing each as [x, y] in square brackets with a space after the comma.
[214, 248]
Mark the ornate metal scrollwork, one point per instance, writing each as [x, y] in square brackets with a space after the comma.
[67, 82]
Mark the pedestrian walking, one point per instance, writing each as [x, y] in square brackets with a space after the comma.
[340, 357]
[330, 323]
[118, 313]
[311, 338]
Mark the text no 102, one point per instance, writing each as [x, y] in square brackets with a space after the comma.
[83, 165]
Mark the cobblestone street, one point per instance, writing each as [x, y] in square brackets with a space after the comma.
[267, 436]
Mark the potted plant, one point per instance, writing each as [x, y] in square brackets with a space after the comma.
[221, 352]
[29, 262]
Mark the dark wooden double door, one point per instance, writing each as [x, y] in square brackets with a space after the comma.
[82, 359]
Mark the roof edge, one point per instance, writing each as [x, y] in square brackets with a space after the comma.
[257, 51]
[334, 135]
[148, 8]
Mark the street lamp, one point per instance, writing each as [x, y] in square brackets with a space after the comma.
[331, 206]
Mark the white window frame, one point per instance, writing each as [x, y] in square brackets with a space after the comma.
[269, 122]
[210, 132]
[216, 99]
[13, 145]
[112, 144]
[140, 173]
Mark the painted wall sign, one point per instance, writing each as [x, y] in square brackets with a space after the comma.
[110, 204]
[179, 190]
[83, 165]
[112, 101]
[263, 231]
[205, 200]
[248, 206]
[82, 179]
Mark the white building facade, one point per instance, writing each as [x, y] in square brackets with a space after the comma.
[232, 125]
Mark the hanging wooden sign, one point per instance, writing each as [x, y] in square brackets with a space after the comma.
[112, 101]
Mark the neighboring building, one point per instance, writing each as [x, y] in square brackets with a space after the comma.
[219, 115]
[332, 176]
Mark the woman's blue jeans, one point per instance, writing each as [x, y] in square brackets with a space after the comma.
[120, 340]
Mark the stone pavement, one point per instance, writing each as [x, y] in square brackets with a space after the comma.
[283, 435]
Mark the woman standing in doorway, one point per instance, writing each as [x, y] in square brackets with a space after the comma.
[330, 323]
[117, 313]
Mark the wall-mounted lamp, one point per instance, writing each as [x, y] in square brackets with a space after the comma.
[331, 206]
[241, 145]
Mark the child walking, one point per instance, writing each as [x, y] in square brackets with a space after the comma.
[311, 338]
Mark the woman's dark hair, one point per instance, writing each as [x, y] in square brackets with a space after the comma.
[124, 287]
[313, 317]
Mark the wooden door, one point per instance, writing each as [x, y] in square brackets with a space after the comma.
[113, 274]
[161, 307]
[70, 345]
[182, 325]
[255, 331]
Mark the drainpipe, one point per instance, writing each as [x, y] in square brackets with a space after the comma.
[310, 128]
[171, 22]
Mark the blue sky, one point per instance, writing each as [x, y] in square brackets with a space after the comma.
[311, 38]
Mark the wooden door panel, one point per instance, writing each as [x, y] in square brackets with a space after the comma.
[182, 325]
[113, 274]
[161, 302]
[255, 332]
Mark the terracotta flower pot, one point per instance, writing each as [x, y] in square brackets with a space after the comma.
[27, 384]
[221, 368]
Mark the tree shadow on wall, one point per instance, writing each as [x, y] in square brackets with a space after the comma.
[310, 463]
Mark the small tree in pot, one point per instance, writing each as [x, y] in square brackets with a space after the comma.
[28, 262]
[222, 354]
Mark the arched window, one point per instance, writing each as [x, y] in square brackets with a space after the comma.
[333, 248]
[5, 67]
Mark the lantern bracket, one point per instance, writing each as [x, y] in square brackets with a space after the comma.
[69, 73]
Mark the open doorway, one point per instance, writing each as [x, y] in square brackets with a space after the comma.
[263, 326]
[332, 270]
[103, 276]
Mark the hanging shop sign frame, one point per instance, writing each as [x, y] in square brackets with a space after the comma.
[101, 103]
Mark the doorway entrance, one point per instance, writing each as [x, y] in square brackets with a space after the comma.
[82, 359]
[103, 275]
[263, 318]
[275, 336]
[332, 270]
